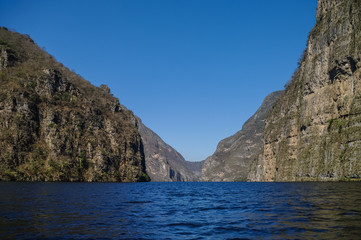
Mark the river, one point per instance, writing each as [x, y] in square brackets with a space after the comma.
[180, 210]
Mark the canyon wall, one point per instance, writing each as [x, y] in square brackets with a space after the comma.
[313, 132]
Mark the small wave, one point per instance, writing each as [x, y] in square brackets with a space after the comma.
[186, 224]
[213, 208]
[137, 202]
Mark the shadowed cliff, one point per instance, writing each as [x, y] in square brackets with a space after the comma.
[164, 163]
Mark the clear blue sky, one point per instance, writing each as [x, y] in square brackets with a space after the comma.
[193, 70]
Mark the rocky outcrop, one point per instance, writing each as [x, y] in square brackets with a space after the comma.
[3, 58]
[55, 126]
[314, 131]
[233, 156]
[163, 163]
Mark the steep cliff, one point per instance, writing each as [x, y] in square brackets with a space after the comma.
[233, 156]
[55, 126]
[314, 131]
[163, 163]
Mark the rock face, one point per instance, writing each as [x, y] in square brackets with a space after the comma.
[55, 126]
[314, 131]
[163, 163]
[196, 168]
[233, 156]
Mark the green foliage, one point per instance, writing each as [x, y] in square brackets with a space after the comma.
[3, 76]
[34, 97]
[144, 177]
[10, 173]
[81, 155]
[330, 121]
[82, 160]
[63, 96]
[69, 152]
[20, 73]
[334, 122]
[240, 180]
[31, 84]
[52, 124]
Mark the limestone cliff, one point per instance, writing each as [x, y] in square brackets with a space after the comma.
[55, 126]
[163, 163]
[233, 156]
[314, 131]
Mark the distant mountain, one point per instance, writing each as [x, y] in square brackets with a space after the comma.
[56, 126]
[314, 131]
[196, 168]
[232, 159]
[163, 163]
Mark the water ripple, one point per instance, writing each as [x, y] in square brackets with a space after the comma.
[180, 210]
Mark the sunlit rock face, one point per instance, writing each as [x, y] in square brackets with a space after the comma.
[56, 126]
[314, 131]
[231, 161]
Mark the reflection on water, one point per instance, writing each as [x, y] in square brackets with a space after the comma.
[180, 210]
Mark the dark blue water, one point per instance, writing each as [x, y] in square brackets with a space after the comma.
[180, 210]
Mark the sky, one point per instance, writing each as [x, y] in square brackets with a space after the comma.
[193, 70]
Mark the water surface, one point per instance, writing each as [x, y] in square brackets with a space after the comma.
[180, 210]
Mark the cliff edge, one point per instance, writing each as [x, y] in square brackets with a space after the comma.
[314, 133]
